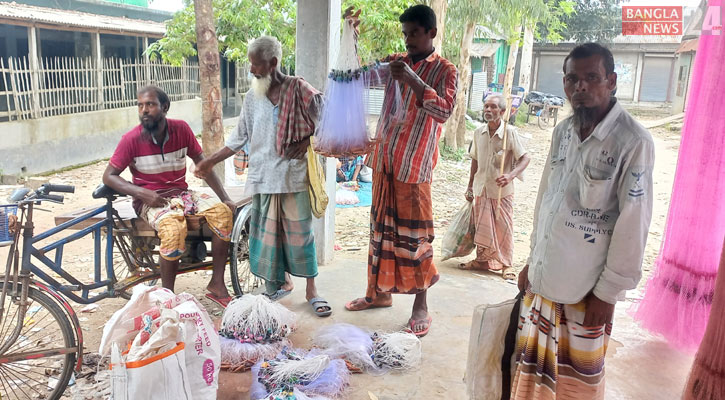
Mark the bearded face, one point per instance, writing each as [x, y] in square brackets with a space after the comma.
[260, 85]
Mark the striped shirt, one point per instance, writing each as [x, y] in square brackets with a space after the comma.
[409, 149]
[158, 167]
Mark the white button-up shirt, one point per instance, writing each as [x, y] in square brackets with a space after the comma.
[488, 152]
[593, 211]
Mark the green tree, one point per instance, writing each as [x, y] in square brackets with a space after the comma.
[505, 18]
[591, 21]
[239, 21]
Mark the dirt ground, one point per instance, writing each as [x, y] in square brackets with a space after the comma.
[449, 184]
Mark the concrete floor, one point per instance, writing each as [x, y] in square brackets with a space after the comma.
[639, 366]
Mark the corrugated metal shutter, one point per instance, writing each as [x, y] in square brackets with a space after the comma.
[549, 78]
[478, 87]
[655, 79]
[375, 101]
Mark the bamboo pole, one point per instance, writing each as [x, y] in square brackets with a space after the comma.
[508, 83]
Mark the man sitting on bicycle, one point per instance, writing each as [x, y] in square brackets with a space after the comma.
[156, 152]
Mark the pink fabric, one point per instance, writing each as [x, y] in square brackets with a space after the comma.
[678, 297]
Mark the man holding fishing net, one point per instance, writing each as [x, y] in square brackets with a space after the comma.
[400, 255]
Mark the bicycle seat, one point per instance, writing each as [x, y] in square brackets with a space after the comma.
[102, 191]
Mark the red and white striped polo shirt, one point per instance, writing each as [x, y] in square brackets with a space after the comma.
[158, 167]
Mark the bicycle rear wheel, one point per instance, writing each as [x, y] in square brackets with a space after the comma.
[241, 276]
[40, 363]
[132, 258]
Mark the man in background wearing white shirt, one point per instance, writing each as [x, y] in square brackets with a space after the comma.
[591, 222]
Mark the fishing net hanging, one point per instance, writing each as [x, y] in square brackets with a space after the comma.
[343, 130]
[679, 296]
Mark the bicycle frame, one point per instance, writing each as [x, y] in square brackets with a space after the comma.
[97, 229]
[23, 278]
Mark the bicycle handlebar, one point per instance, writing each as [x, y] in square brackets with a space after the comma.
[47, 188]
[52, 197]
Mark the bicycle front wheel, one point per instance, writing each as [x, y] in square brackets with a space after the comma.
[544, 118]
[39, 364]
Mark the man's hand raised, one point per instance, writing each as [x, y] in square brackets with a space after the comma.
[353, 16]
[402, 72]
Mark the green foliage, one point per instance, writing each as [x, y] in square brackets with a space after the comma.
[380, 32]
[240, 21]
[470, 126]
[521, 114]
[449, 154]
[237, 23]
[503, 18]
[591, 21]
[472, 114]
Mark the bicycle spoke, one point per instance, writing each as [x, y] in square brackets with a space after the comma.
[17, 378]
[27, 338]
[25, 376]
[5, 378]
[13, 318]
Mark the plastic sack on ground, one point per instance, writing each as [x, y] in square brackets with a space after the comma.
[346, 197]
[202, 350]
[161, 377]
[484, 377]
[458, 239]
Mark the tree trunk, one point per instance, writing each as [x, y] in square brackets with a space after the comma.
[526, 57]
[439, 7]
[212, 134]
[456, 127]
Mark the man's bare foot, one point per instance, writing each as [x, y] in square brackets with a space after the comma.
[288, 284]
[360, 303]
[420, 326]
[474, 265]
[218, 290]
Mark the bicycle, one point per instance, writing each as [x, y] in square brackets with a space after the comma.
[41, 341]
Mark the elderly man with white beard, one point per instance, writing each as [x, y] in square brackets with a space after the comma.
[278, 117]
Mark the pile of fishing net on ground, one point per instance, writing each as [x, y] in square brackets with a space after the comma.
[254, 335]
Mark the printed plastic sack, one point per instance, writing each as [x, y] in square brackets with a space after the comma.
[458, 240]
[161, 377]
[163, 337]
[346, 197]
[202, 350]
[490, 354]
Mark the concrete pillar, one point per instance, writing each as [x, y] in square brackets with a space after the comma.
[147, 61]
[526, 56]
[34, 67]
[318, 40]
[535, 73]
[638, 77]
[97, 56]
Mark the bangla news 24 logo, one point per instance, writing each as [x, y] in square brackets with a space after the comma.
[666, 20]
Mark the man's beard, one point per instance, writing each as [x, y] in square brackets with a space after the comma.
[584, 116]
[260, 86]
[150, 125]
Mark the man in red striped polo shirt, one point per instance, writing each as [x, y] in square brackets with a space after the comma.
[400, 256]
[156, 152]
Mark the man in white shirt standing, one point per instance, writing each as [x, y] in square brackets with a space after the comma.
[493, 191]
[591, 222]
